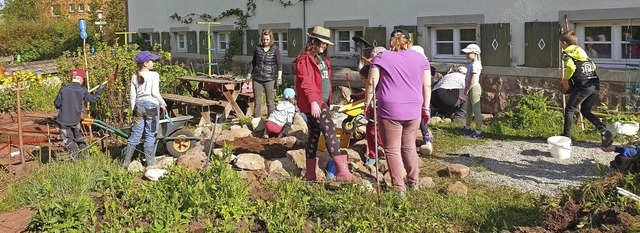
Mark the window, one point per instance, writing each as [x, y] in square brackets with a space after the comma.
[80, 7]
[448, 42]
[55, 10]
[344, 44]
[611, 43]
[223, 41]
[181, 41]
[147, 38]
[72, 8]
[280, 39]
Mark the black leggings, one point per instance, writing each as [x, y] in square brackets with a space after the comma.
[325, 125]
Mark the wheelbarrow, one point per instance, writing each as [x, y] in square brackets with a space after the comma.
[176, 139]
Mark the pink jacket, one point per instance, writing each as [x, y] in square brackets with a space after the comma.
[309, 82]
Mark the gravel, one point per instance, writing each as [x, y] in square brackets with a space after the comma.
[529, 167]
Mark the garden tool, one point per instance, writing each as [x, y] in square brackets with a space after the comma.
[109, 80]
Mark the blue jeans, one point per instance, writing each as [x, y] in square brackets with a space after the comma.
[145, 120]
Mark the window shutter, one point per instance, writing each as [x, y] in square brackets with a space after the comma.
[166, 41]
[413, 30]
[296, 41]
[541, 47]
[376, 36]
[202, 42]
[495, 44]
[155, 38]
[192, 43]
[253, 40]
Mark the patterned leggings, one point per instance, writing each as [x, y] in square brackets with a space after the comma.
[325, 125]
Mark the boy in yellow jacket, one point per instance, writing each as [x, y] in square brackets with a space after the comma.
[583, 83]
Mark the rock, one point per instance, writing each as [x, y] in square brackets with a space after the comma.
[235, 127]
[288, 140]
[194, 160]
[299, 132]
[289, 166]
[435, 120]
[426, 183]
[446, 120]
[249, 161]
[165, 161]
[352, 155]
[457, 171]
[135, 166]
[298, 158]
[299, 122]
[237, 132]
[276, 168]
[458, 189]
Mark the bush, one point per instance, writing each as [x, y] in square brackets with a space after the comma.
[38, 93]
[41, 40]
[530, 116]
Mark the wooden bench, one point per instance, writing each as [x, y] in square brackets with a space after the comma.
[204, 104]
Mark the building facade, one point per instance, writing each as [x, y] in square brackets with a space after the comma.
[519, 38]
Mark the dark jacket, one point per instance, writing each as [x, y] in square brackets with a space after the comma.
[69, 102]
[265, 65]
[309, 82]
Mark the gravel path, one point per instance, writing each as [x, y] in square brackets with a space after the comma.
[528, 165]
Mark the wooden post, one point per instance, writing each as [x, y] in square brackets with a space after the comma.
[17, 90]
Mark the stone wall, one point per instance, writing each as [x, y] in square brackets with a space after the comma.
[498, 90]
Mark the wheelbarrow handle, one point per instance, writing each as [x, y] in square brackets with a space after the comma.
[166, 115]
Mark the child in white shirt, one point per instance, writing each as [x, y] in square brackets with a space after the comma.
[280, 120]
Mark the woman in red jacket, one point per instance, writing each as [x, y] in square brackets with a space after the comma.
[313, 83]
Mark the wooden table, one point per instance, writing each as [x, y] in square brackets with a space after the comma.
[224, 89]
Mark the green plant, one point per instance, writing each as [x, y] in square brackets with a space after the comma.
[529, 116]
[64, 215]
[245, 121]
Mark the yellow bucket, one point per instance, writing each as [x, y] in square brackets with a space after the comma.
[344, 138]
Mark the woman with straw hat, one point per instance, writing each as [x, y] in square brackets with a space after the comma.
[313, 85]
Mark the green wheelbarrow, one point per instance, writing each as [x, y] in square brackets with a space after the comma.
[171, 134]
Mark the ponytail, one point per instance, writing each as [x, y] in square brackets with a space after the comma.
[139, 75]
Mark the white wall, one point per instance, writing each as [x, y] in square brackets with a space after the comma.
[388, 13]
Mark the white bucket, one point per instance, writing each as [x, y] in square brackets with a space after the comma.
[560, 147]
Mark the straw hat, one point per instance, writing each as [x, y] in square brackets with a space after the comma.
[321, 34]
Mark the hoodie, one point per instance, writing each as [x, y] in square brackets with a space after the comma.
[284, 113]
[575, 52]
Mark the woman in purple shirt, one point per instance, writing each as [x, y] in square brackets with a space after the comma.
[402, 80]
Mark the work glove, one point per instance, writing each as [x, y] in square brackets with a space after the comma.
[426, 115]
[278, 82]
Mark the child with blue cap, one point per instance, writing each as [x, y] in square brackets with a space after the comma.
[280, 120]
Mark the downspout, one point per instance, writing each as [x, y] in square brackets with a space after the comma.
[304, 16]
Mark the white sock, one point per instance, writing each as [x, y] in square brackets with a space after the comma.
[478, 132]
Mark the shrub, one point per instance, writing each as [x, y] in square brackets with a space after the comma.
[39, 40]
[529, 116]
[38, 93]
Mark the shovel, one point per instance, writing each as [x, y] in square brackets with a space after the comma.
[109, 80]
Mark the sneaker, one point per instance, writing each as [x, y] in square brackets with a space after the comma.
[426, 148]
[607, 139]
[474, 135]
[465, 129]
[412, 186]
[402, 195]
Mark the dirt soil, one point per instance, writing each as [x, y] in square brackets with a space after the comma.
[34, 126]
[270, 148]
[17, 220]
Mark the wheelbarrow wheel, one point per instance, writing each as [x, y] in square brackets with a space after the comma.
[181, 144]
[349, 125]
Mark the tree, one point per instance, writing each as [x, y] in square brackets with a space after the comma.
[24, 10]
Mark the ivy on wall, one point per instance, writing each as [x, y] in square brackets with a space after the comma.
[241, 24]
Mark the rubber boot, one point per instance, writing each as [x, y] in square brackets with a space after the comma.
[311, 166]
[150, 156]
[343, 168]
[128, 155]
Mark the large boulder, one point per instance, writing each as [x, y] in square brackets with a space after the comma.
[193, 160]
[235, 132]
[249, 161]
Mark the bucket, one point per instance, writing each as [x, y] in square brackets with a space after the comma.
[560, 147]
